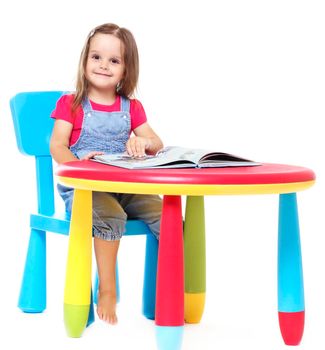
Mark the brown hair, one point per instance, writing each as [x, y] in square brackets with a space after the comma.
[131, 60]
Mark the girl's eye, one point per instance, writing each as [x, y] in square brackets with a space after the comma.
[95, 57]
[115, 61]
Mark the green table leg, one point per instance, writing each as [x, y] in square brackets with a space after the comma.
[195, 265]
[77, 295]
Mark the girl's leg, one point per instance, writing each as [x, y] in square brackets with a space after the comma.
[147, 208]
[106, 254]
[143, 207]
[108, 226]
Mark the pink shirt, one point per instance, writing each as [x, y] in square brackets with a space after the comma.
[63, 112]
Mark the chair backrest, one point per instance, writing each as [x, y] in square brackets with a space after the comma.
[33, 128]
[33, 125]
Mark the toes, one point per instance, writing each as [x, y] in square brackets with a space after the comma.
[106, 308]
[113, 320]
[105, 318]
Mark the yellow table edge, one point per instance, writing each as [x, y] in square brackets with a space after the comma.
[183, 189]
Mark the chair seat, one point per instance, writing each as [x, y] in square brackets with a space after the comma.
[59, 222]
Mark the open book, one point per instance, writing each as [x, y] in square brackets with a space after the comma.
[175, 157]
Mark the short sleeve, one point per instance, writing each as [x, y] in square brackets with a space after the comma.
[138, 115]
[63, 109]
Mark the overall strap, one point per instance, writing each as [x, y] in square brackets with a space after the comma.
[86, 105]
[125, 104]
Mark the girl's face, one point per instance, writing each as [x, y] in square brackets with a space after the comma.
[105, 63]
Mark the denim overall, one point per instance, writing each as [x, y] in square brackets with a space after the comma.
[108, 132]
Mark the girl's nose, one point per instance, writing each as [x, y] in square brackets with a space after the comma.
[104, 65]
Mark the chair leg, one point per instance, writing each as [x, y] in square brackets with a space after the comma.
[149, 281]
[290, 274]
[195, 263]
[91, 314]
[32, 296]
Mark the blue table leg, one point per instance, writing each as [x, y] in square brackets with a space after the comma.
[290, 275]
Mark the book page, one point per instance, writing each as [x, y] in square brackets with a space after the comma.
[169, 157]
[220, 159]
[174, 157]
[173, 153]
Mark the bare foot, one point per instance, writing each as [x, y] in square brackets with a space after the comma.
[106, 307]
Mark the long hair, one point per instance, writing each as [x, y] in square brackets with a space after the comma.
[131, 59]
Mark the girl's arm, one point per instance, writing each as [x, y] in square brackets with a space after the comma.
[144, 141]
[59, 144]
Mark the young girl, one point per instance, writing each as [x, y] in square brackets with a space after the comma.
[99, 118]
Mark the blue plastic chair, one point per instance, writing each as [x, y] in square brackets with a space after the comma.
[33, 127]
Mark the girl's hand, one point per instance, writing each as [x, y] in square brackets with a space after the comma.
[136, 146]
[91, 155]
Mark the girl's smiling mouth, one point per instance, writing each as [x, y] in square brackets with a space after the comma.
[103, 75]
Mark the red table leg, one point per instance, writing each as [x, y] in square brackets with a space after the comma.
[170, 276]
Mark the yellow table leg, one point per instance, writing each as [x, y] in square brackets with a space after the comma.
[77, 294]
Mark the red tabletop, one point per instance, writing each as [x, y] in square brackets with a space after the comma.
[262, 174]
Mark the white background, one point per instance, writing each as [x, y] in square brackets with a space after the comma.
[245, 77]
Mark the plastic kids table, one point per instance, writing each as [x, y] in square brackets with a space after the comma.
[88, 176]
